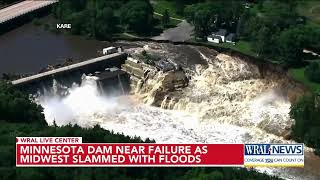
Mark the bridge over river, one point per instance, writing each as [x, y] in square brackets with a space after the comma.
[22, 8]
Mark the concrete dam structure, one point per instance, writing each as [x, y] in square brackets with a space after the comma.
[105, 68]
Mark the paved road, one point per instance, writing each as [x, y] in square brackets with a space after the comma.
[22, 8]
[181, 33]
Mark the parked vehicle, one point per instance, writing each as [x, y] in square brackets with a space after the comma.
[109, 50]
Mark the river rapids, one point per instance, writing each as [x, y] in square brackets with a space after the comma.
[227, 101]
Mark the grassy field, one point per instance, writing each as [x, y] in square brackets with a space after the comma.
[298, 74]
[310, 9]
[241, 46]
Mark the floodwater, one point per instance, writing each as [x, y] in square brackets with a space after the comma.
[226, 101]
[223, 92]
[28, 49]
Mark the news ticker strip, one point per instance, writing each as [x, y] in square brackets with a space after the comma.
[71, 152]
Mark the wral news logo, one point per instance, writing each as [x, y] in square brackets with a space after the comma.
[285, 155]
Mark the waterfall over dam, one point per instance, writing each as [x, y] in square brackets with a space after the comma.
[227, 100]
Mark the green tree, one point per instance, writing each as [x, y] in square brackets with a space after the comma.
[306, 113]
[251, 28]
[312, 72]
[81, 23]
[64, 8]
[17, 107]
[280, 15]
[312, 37]
[210, 16]
[165, 19]
[94, 18]
[137, 16]
[105, 24]
[204, 18]
[179, 5]
[264, 42]
[290, 46]
[241, 28]
[230, 13]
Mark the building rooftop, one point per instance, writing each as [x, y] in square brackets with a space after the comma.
[215, 37]
[221, 32]
[231, 37]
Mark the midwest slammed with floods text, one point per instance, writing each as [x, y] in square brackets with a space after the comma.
[108, 155]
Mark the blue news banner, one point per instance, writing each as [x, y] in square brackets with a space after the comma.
[276, 155]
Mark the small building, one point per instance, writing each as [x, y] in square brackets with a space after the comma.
[214, 39]
[218, 36]
[231, 38]
[222, 36]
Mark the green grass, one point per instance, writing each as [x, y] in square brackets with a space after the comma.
[298, 74]
[161, 5]
[126, 35]
[241, 46]
[310, 9]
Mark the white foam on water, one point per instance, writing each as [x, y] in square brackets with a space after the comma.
[227, 101]
[85, 106]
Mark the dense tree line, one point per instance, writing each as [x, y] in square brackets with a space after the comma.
[279, 33]
[275, 30]
[181, 4]
[17, 107]
[137, 15]
[209, 16]
[312, 72]
[101, 19]
[165, 19]
[307, 121]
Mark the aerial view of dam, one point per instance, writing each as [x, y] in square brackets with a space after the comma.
[176, 80]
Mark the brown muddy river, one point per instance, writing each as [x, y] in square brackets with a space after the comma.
[28, 49]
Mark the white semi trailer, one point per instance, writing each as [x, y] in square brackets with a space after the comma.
[109, 50]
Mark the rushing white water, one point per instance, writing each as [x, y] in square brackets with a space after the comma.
[86, 107]
[229, 91]
[227, 102]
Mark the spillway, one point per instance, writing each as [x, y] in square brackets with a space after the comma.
[227, 101]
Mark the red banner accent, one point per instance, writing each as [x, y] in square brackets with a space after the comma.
[88, 154]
